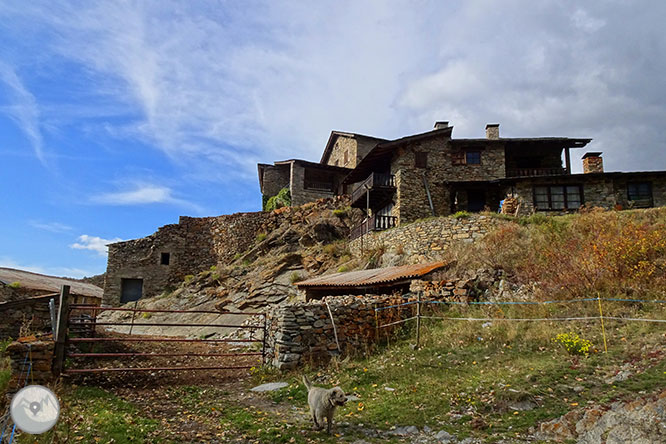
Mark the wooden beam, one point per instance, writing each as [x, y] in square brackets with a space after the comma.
[61, 331]
[567, 160]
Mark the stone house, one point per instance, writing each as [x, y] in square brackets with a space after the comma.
[433, 174]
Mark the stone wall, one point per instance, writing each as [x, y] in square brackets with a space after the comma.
[344, 145]
[275, 178]
[303, 332]
[39, 352]
[426, 239]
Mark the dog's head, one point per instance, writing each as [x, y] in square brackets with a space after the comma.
[337, 397]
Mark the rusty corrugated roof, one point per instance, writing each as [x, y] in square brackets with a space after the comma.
[375, 276]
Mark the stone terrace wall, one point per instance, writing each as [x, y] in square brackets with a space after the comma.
[303, 332]
[427, 238]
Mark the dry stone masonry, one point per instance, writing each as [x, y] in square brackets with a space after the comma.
[303, 332]
[427, 238]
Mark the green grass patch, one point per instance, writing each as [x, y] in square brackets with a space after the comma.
[90, 414]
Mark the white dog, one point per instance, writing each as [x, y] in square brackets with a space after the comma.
[322, 403]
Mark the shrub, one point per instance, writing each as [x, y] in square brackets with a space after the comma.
[16, 284]
[146, 315]
[573, 343]
[295, 277]
[281, 199]
[343, 269]
[188, 278]
[261, 237]
[213, 268]
[460, 215]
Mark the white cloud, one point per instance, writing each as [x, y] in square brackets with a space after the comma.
[140, 193]
[54, 227]
[23, 109]
[218, 87]
[94, 243]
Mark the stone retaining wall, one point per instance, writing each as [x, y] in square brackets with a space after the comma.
[303, 332]
[428, 237]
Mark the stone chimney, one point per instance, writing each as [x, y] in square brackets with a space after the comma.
[593, 163]
[441, 124]
[492, 131]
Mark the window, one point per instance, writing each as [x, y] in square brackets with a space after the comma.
[473, 157]
[558, 197]
[165, 258]
[466, 158]
[639, 194]
[420, 159]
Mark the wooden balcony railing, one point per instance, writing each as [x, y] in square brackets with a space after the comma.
[373, 223]
[531, 172]
[374, 180]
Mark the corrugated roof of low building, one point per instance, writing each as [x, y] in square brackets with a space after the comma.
[371, 277]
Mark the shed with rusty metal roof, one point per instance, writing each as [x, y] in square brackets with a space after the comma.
[386, 280]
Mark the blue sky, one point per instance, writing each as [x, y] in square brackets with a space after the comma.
[116, 117]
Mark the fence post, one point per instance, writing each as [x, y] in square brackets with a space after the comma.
[601, 317]
[418, 319]
[61, 330]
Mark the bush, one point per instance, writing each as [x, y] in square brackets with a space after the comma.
[16, 284]
[343, 269]
[295, 277]
[261, 237]
[573, 343]
[188, 278]
[282, 199]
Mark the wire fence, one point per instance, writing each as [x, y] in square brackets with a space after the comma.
[419, 304]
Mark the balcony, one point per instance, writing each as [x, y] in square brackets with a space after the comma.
[373, 223]
[378, 187]
[533, 172]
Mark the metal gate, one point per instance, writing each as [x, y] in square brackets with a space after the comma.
[82, 327]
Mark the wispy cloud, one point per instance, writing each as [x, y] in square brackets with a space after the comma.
[23, 109]
[94, 243]
[143, 194]
[54, 227]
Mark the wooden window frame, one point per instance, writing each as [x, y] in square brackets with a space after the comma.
[468, 152]
[564, 193]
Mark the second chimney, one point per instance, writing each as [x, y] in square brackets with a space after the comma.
[593, 163]
[441, 124]
[492, 131]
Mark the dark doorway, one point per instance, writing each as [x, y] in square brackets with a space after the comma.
[476, 200]
[131, 290]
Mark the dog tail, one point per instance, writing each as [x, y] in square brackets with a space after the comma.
[307, 382]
